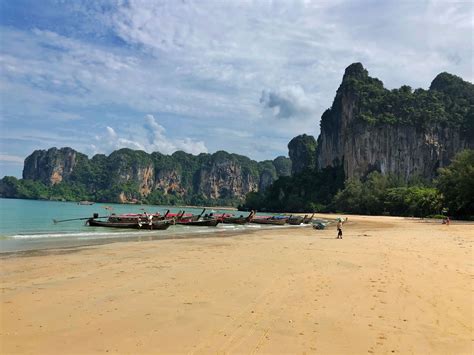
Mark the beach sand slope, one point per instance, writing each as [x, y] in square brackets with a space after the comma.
[392, 285]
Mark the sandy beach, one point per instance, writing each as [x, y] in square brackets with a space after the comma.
[392, 285]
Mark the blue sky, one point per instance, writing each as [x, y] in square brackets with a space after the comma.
[201, 76]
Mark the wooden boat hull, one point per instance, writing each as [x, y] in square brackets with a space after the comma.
[159, 225]
[271, 221]
[134, 218]
[235, 220]
[202, 223]
[238, 220]
[295, 221]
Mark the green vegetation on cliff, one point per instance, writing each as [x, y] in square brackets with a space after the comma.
[309, 190]
[128, 175]
[449, 101]
[302, 152]
[376, 194]
[282, 165]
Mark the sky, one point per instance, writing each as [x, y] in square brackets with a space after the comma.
[201, 76]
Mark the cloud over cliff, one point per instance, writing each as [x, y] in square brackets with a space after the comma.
[148, 136]
[288, 102]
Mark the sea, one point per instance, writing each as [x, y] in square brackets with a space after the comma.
[28, 225]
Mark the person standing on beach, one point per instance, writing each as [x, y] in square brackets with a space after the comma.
[339, 228]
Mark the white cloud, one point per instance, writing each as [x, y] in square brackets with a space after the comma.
[149, 136]
[288, 102]
[11, 158]
[111, 133]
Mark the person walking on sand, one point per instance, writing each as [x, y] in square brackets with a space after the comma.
[339, 228]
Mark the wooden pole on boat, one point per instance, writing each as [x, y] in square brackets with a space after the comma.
[55, 221]
[202, 213]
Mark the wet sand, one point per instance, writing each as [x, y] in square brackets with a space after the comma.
[392, 285]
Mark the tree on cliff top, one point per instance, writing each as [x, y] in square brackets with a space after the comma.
[302, 152]
[449, 101]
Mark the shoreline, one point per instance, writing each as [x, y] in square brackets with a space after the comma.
[392, 285]
[10, 246]
[44, 251]
[98, 236]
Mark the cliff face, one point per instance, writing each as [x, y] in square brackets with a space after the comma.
[51, 166]
[302, 152]
[127, 175]
[225, 179]
[364, 132]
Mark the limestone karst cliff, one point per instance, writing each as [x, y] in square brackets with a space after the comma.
[302, 152]
[402, 132]
[51, 166]
[127, 175]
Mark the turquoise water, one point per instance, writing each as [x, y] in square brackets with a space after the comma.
[28, 225]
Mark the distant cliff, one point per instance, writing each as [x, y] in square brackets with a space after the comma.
[52, 166]
[302, 152]
[402, 132]
[130, 176]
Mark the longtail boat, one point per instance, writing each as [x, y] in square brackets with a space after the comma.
[210, 222]
[295, 220]
[182, 217]
[154, 225]
[270, 220]
[308, 220]
[230, 219]
[137, 217]
[85, 203]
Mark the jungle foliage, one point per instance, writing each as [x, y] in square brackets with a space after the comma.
[180, 178]
[376, 194]
[449, 101]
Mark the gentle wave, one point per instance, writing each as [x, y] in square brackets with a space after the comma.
[132, 233]
[62, 235]
[118, 233]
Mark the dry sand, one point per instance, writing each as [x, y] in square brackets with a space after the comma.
[390, 286]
